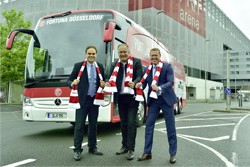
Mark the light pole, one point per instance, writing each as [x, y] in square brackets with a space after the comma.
[156, 22]
[235, 87]
[228, 81]
[205, 68]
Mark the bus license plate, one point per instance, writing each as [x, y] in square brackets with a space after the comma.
[56, 115]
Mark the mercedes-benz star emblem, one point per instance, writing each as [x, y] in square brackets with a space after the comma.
[58, 102]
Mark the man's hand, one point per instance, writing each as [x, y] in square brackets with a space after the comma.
[138, 85]
[75, 82]
[155, 87]
[107, 84]
[131, 85]
[102, 83]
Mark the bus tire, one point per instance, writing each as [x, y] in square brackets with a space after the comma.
[180, 106]
[176, 109]
[141, 114]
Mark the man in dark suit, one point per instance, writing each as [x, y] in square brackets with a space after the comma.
[126, 100]
[165, 101]
[87, 87]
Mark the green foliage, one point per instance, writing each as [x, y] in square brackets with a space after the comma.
[13, 61]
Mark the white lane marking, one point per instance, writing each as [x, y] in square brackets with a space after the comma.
[207, 139]
[224, 159]
[204, 126]
[201, 113]
[83, 144]
[203, 119]
[235, 159]
[234, 136]
[20, 163]
[176, 119]
[229, 114]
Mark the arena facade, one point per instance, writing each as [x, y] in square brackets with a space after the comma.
[196, 32]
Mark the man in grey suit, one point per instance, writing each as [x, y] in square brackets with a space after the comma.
[162, 84]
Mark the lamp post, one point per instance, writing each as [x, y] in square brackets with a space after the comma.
[228, 81]
[235, 86]
[205, 69]
[156, 22]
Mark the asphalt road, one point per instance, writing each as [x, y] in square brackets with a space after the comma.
[205, 138]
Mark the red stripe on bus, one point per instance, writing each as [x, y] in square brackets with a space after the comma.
[47, 92]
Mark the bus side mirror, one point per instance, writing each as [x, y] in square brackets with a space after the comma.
[13, 34]
[108, 30]
[10, 39]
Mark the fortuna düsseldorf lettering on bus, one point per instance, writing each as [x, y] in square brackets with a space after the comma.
[74, 19]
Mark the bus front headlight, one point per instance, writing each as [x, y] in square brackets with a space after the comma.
[27, 101]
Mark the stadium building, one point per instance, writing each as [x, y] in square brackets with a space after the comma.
[196, 32]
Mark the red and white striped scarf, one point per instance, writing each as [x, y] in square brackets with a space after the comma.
[74, 99]
[139, 91]
[129, 77]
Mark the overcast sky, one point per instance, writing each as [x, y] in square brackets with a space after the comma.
[238, 11]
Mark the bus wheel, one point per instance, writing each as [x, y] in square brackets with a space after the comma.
[140, 114]
[72, 123]
[175, 109]
[180, 106]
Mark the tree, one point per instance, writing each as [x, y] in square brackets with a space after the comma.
[13, 61]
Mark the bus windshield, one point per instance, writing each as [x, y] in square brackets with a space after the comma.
[62, 44]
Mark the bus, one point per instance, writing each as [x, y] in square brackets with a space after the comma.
[58, 42]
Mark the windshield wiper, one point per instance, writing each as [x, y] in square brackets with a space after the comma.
[35, 82]
[59, 15]
[63, 77]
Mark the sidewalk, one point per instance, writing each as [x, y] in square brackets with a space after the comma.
[5, 107]
[234, 107]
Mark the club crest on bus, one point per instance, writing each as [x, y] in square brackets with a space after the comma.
[58, 91]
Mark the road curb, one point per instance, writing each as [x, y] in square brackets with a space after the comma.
[234, 110]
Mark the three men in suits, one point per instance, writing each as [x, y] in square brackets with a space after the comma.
[160, 81]
[87, 87]
[128, 74]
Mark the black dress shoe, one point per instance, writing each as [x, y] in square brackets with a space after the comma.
[123, 150]
[172, 159]
[77, 156]
[130, 155]
[144, 157]
[95, 151]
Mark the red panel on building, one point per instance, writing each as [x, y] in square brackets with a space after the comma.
[189, 13]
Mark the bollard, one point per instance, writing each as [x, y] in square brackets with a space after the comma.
[240, 100]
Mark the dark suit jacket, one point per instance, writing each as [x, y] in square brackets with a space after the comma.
[83, 85]
[165, 81]
[137, 73]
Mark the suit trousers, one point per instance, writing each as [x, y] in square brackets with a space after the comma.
[92, 111]
[153, 111]
[128, 107]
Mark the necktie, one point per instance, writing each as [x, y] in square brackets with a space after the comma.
[92, 81]
[123, 77]
[154, 70]
[92, 72]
